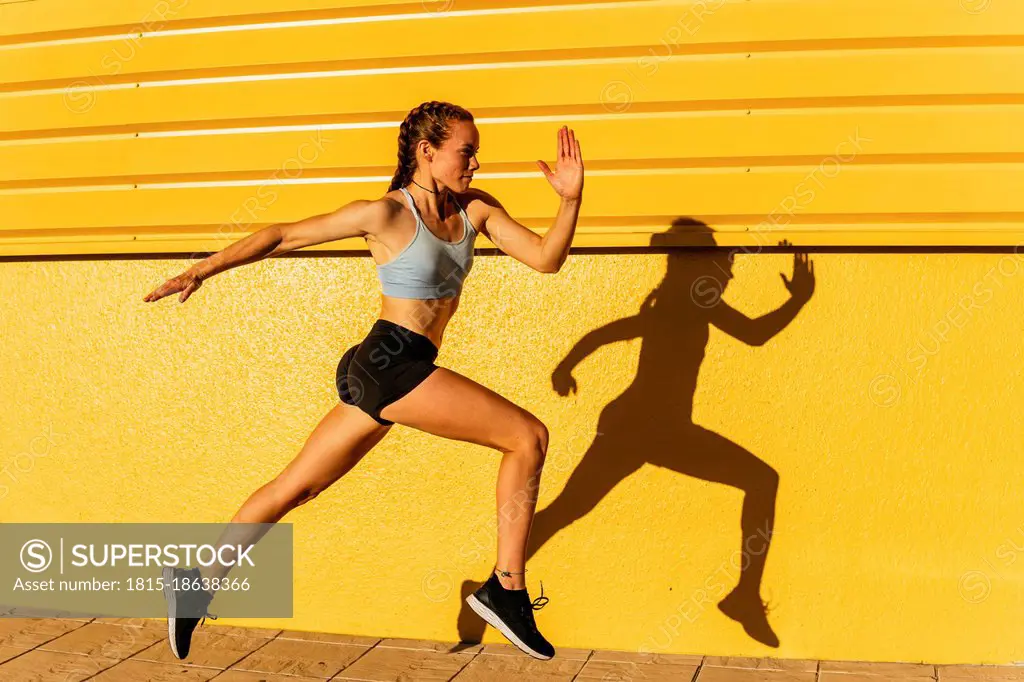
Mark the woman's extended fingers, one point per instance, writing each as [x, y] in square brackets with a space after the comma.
[164, 289]
[157, 293]
[568, 145]
[183, 283]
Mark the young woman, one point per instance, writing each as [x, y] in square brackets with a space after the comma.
[421, 234]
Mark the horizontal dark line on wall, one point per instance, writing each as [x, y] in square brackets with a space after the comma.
[620, 250]
[747, 163]
[737, 104]
[589, 250]
[643, 223]
[83, 81]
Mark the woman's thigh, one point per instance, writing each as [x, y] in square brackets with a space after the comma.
[451, 405]
[336, 445]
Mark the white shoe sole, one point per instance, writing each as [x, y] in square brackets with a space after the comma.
[492, 618]
[168, 576]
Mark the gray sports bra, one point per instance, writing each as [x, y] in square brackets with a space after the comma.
[429, 267]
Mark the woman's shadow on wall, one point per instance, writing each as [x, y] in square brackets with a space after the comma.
[651, 421]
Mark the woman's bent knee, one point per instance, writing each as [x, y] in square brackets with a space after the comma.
[541, 435]
[530, 438]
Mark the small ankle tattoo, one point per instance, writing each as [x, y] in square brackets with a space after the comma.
[508, 573]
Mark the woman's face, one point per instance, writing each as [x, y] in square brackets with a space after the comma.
[455, 162]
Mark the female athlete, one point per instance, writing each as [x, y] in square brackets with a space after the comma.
[421, 234]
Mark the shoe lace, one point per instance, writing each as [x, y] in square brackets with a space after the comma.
[203, 601]
[193, 596]
[206, 612]
[529, 607]
[541, 601]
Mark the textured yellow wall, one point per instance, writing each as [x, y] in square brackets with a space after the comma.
[892, 490]
[887, 407]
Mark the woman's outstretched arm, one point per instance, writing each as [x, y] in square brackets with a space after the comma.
[354, 219]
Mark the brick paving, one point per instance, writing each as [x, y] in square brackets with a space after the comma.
[135, 650]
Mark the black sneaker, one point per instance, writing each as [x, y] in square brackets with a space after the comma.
[184, 608]
[511, 613]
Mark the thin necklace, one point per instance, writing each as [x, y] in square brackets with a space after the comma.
[429, 190]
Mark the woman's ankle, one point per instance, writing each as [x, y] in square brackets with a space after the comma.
[513, 582]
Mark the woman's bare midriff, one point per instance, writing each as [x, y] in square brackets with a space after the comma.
[428, 317]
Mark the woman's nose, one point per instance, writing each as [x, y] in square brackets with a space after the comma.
[474, 164]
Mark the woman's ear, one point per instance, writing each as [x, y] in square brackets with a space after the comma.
[424, 147]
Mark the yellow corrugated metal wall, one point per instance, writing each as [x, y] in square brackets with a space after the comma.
[171, 128]
[906, 113]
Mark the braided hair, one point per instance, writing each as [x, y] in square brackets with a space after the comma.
[429, 121]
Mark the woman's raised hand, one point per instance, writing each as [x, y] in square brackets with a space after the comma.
[186, 283]
[567, 179]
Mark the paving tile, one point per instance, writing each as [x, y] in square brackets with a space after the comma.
[136, 671]
[872, 677]
[53, 666]
[789, 664]
[329, 637]
[29, 612]
[484, 668]
[388, 664]
[295, 657]
[560, 652]
[245, 676]
[429, 645]
[266, 633]
[103, 639]
[637, 657]
[619, 671]
[27, 633]
[980, 672]
[161, 625]
[209, 649]
[148, 623]
[722, 674]
[880, 668]
[72, 649]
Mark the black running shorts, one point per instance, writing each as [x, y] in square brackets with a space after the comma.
[391, 361]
